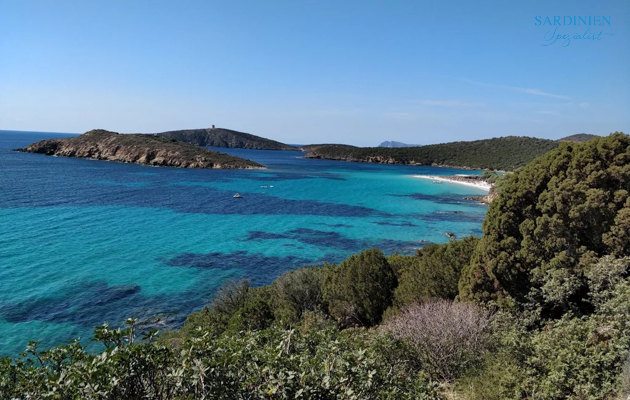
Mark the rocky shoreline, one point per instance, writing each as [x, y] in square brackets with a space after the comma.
[141, 149]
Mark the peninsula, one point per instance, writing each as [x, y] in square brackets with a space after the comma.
[503, 154]
[149, 150]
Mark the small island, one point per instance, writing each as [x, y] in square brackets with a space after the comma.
[149, 150]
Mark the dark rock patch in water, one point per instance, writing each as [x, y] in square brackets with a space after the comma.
[337, 241]
[77, 307]
[453, 217]
[386, 223]
[260, 269]
[453, 199]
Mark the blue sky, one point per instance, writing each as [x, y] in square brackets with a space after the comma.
[356, 72]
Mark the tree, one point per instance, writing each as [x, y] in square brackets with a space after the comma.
[297, 292]
[551, 221]
[360, 289]
[434, 272]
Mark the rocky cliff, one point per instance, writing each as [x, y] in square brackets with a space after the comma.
[138, 149]
[220, 137]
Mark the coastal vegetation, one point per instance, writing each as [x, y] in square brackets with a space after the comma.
[552, 220]
[311, 147]
[221, 137]
[536, 308]
[578, 137]
[150, 150]
[505, 153]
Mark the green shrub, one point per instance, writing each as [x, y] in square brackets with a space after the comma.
[314, 361]
[360, 289]
[568, 358]
[255, 314]
[434, 272]
[124, 370]
[231, 297]
[400, 263]
[226, 311]
[297, 292]
[551, 221]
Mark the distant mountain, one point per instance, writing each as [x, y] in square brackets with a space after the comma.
[391, 143]
[142, 149]
[504, 153]
[579, 138]
[220, 137]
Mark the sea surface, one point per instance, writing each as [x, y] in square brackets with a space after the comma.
[83, 242]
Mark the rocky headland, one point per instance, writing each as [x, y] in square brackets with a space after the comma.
[149, 150]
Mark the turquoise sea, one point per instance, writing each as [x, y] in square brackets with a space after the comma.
[83, 242]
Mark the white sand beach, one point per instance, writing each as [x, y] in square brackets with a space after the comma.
[480, 185]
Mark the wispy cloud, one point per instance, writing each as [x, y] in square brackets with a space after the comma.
[538, 92]
[535, 92]
[546, 112]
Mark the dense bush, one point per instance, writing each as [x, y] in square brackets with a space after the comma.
[297, 292]
[360, 289]
[434, 272]
[236, 306]
[255, 314]
[551, 221]
[569, 358]
[314, 361]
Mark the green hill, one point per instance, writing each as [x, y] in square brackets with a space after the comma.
[313, 147]
[504, 153]
[220, 137]
[579, 138]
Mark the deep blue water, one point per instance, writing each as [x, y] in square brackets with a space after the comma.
[83, 242]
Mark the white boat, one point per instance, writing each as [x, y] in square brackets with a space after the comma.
[237, 196]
